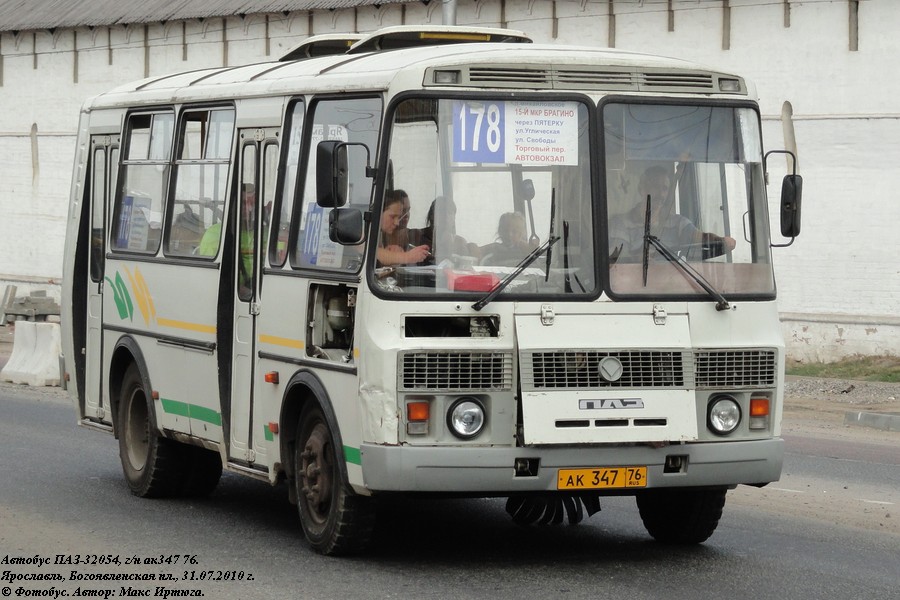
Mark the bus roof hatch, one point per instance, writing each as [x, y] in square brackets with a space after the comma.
[407, 36]
[326, 44]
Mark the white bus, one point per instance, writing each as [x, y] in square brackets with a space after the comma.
[408, 264]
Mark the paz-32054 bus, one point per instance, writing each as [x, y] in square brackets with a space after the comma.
[436, 261]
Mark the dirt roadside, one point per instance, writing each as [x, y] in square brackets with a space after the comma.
[821, 407]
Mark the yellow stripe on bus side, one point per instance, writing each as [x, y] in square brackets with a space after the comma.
[187, 326]
[281, 341]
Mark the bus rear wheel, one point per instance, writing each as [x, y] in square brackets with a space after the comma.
[681, 516]
[334, 519]
[151, 463]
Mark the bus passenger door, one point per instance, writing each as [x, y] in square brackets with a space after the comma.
[256, 186]
[104, 160]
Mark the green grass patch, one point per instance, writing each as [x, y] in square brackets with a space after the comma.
[864, 368]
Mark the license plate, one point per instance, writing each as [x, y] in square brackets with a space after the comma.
[602, 478]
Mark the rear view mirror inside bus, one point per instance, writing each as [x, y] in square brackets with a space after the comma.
[345, 226]
[332, 179]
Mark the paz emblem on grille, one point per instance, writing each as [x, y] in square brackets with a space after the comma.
[611, 368]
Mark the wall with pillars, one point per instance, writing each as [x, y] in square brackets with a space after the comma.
[828, 63]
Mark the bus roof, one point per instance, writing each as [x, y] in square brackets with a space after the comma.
[477, 65]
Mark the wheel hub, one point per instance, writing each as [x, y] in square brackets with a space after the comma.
[316, 472]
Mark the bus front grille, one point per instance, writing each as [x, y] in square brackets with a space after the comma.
[655, 369]
[448, 371]
[735, 368]
[580, 369]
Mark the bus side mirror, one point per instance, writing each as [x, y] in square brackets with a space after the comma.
[332, 180]
[345, 226]
[791, 191]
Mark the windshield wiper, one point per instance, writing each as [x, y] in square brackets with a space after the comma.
[646, 252]
[721, 302]
[524, 264]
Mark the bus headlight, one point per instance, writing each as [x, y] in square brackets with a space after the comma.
[466, 418]
[724, 415]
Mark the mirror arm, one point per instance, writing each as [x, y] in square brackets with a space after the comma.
[788, 152]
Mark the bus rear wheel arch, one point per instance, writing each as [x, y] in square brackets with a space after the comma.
[153, 465]
[150, 462]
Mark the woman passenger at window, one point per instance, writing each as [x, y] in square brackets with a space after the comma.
[393, 248]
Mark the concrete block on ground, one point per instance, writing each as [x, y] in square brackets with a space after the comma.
[35, 356]
[882, 421]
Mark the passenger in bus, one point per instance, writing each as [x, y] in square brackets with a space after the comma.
[187, 229]
[512, 244]
[400, 236]
[440, 234]
[209, 244]
[389, 252]
[626, 231]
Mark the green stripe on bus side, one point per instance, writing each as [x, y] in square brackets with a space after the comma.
[352, 455]
[270, 437]
[191, 411]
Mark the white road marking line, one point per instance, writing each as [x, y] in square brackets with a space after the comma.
[875, 502]
[777, 489]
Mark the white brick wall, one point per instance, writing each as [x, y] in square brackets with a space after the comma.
[839, 284]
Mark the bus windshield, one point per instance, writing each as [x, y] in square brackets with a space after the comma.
[476, 185]
[685, 184]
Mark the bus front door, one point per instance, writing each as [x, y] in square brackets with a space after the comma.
[104, 157]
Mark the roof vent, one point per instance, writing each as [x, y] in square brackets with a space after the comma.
[322, 45]
[408, 36]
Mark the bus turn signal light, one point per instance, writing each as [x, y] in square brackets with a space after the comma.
[272, 377]
[759, 407]
[417, 415]
[417, 411]
[759, 413]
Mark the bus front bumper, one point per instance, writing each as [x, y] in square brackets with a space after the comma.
[491, 470]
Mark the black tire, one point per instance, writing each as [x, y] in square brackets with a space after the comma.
[334, 519]
[204, 469]
[681, 516]
[152, 464]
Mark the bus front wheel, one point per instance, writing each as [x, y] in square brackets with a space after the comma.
[151, 463]
[681, 516]
[334, 519]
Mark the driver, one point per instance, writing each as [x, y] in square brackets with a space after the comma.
[626, 232]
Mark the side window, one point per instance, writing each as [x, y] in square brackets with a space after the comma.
[355, 120]
[284, 204]
[137, 214]
[200, 186]
[103, 181]
[98, 201]
[247, 223]
[269, 178]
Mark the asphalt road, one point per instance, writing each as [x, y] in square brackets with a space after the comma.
[827, 530]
